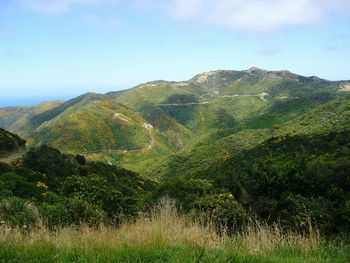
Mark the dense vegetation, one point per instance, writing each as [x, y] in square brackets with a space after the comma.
[295, 179]
[166, 236]
[299, 181]
[234, 150]
[9, 143]
[63, 190]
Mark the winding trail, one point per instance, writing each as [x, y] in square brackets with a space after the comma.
[118, 116]
[150, 129]
[147, 126]
[346, 87]
[184, 104]
[149, 145]
[262, 96]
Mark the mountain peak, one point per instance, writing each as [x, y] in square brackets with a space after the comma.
[255, 69]
[232, 74]
[286, 74]
[204, 76]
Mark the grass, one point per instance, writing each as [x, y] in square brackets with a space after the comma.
[165, 236]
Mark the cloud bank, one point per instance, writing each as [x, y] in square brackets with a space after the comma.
[245, 15]
[257, 15]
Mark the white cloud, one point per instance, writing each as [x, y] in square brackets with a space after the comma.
[60, 6]
[185, 9]
[256, 15]
[245, 15]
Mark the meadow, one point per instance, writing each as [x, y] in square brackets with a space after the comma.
[164, 235]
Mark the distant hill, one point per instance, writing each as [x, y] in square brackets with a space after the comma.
[16, 119]
[209, 116]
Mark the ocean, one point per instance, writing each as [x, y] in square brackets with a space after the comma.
[13, 102]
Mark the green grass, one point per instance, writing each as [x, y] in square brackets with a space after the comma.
[42, 252]
[166, 236]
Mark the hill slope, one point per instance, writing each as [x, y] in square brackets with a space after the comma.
[10, 143]
[17, 119]
[214, 111]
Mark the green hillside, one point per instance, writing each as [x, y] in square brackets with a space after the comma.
[93, 125]
[206, 150]
[17, 119]
[226, 99]
[292, 177]
[160, 124]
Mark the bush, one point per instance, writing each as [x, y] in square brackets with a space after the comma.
[221, 209]
[55, 214]
[345, 216]
[97, 190]
[184, 190]
[308, 212]
[16, 212]
[52, 163]
[84, 212]
[14, 184]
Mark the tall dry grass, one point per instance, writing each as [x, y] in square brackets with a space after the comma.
[164, 226]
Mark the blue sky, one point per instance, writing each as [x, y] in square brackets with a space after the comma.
[63, 48]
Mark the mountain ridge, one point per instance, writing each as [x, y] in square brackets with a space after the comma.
[206, 108]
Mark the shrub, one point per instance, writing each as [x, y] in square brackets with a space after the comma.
[84, 212]
[306, 213]
[222, 209]
[14, 184]
[184, 190]
[97, 190]
[16, 212]
[55, 214]
[52, 163]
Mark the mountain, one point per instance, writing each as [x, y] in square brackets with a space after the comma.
[325, 118]
[271, 146]
[156, 127]
[231, 96]
[17, 119]
[88, 124]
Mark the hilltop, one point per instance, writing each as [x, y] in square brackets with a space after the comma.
[136, 127]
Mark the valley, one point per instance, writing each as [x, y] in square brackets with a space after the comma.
[146, 126]
[267, 152]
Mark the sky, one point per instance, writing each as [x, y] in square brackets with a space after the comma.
[58, 49]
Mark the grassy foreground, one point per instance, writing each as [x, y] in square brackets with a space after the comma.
[165, 236]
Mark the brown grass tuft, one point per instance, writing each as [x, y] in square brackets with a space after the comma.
[165, 227]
